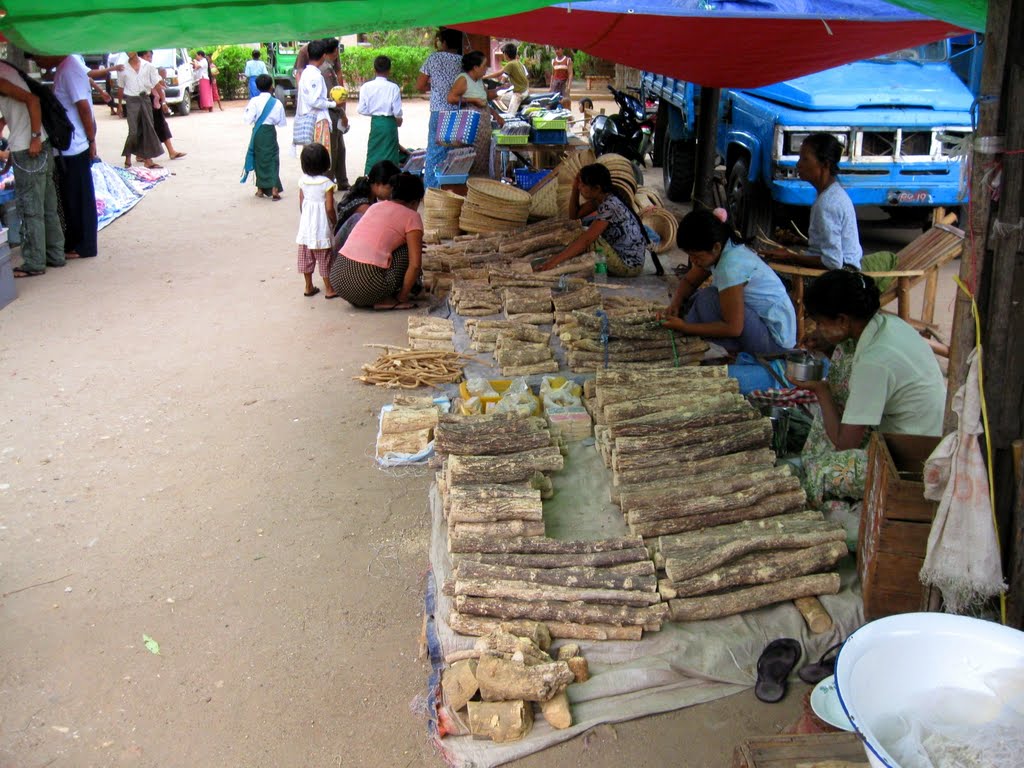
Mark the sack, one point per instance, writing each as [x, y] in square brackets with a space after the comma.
[457, 127]
[302, 129]
[213, 69]
[58, 127]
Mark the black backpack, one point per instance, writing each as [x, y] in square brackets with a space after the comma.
[58, 127]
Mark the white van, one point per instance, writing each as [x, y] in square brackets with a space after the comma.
[178, 75]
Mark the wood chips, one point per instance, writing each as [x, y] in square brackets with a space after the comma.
[404, 368]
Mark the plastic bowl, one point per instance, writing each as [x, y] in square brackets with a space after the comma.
[961, 670]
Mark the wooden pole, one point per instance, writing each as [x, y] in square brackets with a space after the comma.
[707, 129]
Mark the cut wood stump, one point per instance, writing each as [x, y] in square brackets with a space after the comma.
[500, 721]
[459, 684]
[502, 680]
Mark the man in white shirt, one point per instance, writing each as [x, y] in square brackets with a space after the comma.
[42, 241]
[381, 100]
[73, 88]
[135, 88]
[313, 97]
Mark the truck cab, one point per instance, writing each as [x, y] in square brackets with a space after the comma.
[281, 62]
[900, 118]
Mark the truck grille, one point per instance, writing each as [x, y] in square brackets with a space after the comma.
[876, 145]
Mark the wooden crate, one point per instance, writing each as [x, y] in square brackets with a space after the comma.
[894, 525]
[804, 749]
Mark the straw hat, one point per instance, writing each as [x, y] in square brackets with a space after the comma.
[662, 222]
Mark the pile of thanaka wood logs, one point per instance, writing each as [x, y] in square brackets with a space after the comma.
[463, 257]
[527, 305]
[408, 427]
[494, 687]
[474, 298]
[596, 339]
[691, 465]
[586, 298]
[431, 333]
[524, 350]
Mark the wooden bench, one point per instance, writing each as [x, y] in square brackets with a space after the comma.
[921, 259]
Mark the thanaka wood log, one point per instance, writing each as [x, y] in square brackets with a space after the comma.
[595, 559]
[414, 401]
[681, 471]
[404, 442]
[721, 416]
[458, 533]
[764, 568]
[616, 346]
[712, 537]
[508, 645]
[815, 615]
[488, 444]
[502, 680]
[522, 355]
[507, 468]
[601, 578]
[481, 625]
[739, 492]
[533, 318]
[581, 667]
[749, 598]
[780, 503]
[552, 611]
[606, 379]
[459, 684]
[692, 388]
[397, 420]
[587, 296]
[491, 503]
[559, 546]
[500, 721]
[520, 590]
[738, 438]
[733, 470]
[557, 712]
[520, 332]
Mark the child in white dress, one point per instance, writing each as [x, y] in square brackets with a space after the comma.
[317, 218]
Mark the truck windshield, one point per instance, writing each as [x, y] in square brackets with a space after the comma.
[932, 52]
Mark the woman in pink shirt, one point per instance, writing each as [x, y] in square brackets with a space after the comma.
[379, 264]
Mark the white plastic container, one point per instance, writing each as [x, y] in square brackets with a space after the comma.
[928, 667]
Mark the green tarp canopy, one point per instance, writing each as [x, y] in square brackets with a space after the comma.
[98, 26]
[969, 14]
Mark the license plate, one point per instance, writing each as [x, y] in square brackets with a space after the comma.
[913, 198]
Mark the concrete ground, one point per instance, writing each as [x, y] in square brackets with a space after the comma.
[184, 455]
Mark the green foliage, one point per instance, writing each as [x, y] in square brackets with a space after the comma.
[230, 61]
[537, 59]
[357, 64]
[414, 37]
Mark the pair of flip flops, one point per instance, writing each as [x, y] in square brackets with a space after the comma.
[777, 662]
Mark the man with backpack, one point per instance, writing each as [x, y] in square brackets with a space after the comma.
[42, 241]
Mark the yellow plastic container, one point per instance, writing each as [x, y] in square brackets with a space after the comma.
[500, 386]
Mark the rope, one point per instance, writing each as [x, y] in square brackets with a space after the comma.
[988, 434]
[604, 334]
[675, 353]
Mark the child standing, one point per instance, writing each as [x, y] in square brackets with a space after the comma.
[317, 218]
[381, 100]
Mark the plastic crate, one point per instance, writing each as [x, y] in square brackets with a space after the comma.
[520, 138]
[544, 136]
[529, 179]
[453, 178]
[551, 123]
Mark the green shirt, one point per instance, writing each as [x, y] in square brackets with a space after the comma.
[516, 72]
[895, 383]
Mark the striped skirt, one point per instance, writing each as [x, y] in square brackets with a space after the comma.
[363, 285]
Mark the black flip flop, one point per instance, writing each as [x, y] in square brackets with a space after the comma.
[776, 662]
[814, 673]
[313, 292]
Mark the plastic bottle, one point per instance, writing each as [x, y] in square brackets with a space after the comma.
[600, 268]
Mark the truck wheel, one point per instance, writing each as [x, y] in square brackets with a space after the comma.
[750, 207]
[185, 105]
[679, 159]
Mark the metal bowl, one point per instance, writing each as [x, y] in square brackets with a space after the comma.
[803, 366]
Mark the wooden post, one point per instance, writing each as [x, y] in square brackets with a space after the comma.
[976, 222]
[931, 287]
[707, 128]
[903, 297]
[1015, 604]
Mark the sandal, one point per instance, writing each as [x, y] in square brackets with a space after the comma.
[774, 666]
[397, 305]
[313, 292]
[815, 672]
[154, 166]
[20, 272]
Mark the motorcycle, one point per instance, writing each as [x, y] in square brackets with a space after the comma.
[628, 133]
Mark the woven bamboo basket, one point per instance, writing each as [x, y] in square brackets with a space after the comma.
[647, 197]
[544, 203]
[662, 222]
[495, 190]
[516, 215]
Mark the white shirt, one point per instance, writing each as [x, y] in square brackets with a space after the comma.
[71, 85]
[203, 69]
[256, 106]
[312, 95]
[380, 97]
[141, 82]
[15, 113]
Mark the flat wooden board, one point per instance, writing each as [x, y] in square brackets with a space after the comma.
[787, 751]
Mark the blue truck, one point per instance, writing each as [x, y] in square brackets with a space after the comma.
[899, 117]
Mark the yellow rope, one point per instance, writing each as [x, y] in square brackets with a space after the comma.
[988, 435]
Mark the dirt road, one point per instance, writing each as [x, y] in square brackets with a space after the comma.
[184, 455]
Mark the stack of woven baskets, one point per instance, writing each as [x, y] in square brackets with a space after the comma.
[663, 223]
[441, 210]
[493, 207]
[623, 176]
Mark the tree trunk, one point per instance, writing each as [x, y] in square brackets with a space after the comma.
[520, 590]
[480, 625]
[599, 578]
[741, 600]
[781, 503]
[680, 471]
[764, 568]
[575, 612]
[502, 680]
[741, 492]
[491, 503]
[720, 442]
[510, 467]
[500, 721]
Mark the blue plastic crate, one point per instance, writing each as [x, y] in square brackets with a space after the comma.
[454, 178]
[548, 136]
[527, 180]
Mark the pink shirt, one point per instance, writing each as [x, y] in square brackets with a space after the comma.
[380, 231]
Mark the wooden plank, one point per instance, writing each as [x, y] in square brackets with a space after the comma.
[900, 538]
[785, 751]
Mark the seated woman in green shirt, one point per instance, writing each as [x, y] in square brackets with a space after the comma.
[884, 376]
